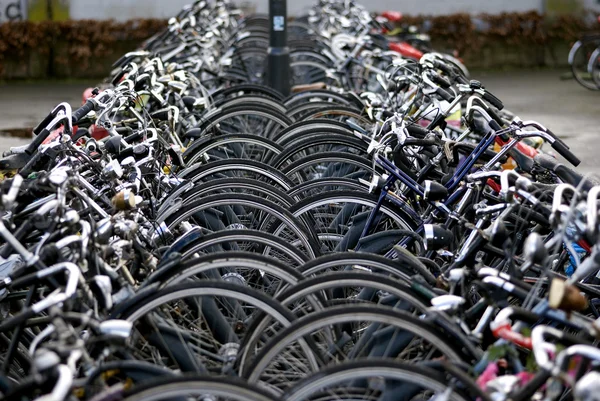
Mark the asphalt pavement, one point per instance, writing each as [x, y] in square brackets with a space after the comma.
[569, 110]
[563, 106]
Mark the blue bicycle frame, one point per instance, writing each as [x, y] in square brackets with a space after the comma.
[396, 174]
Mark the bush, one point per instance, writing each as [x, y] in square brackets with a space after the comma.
[82, 42]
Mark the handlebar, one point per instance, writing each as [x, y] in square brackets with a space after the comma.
[493, 100]
[564, 151]
[81, 112]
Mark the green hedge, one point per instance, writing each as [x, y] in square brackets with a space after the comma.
[68, 49]
[87, 48]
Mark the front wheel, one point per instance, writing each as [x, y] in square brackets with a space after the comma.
[579, 57]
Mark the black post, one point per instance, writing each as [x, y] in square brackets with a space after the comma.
[278, 58]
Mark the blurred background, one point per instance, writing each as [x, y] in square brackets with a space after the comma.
[122, 10]
[51, 50]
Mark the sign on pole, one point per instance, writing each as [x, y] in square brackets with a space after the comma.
[13, 10]
[278, 57]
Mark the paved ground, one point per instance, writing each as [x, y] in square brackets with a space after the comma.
[24, 105]
[563, 106]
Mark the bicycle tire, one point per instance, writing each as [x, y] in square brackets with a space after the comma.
[229, 388]
[577, 53]
[262, 170]
[227, 185]
[258, 238]
[210, 142]
[303, 233]
[314, 187]
[335, 165]
[149, 299]
[394, 371]
[342, 315]
[310, 211]
[177, 273]
[323, 144]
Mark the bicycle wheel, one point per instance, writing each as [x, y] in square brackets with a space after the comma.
[247, 89]
[340, 113]
[266, 101]
[355, 380]
[328, 165]
[349, 286]
[367, 331]
[248, 119]
[594, 67]
[310, 72]
[358, 261]
[228, 185]
[218, 212]
[345, 214]
[299, 111]
[238, 168]
[298, 128]
[321, 185]
[296, 150]
[321, 95]
[579, 57]
[231, 146]
[245, 240]
[198, 326]
[259, 272]
[213, 388]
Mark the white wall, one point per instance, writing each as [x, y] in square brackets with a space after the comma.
[127, 9]
[122, 10]
[427, 7]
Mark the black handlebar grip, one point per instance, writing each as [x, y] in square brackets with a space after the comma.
[416, 131]
[441, 81]
[28, 168]
[117, 79]
[557, 138]
[494, 125]
[496, 117]
[43, 124]
[445, 95]
[493, 100]
[81, 112]
[440, 65]
[37, 141]
[566, 153]
[387, 114]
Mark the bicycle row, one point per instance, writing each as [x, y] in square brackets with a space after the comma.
[388, 231]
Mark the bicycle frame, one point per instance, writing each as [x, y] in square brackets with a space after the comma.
[396, 174]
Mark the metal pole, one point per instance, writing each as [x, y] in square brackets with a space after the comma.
[278, 57]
